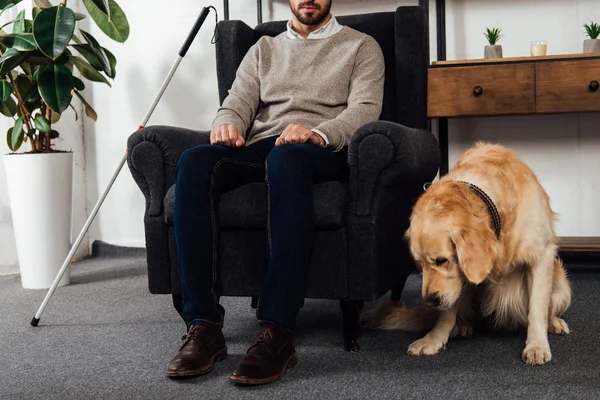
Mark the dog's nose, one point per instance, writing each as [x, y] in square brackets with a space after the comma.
[432, 300]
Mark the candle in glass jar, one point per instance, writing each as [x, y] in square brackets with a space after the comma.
[539, 48]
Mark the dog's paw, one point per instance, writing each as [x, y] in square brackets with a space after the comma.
[558, 326]
[425, 347]
[536, 354]
[461, 329]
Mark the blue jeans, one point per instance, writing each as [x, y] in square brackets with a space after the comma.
[290, 171]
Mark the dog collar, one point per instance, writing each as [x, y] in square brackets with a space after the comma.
[490, 206]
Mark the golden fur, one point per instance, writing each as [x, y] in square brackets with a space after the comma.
[469, 275]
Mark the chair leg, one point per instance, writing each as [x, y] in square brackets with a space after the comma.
[178, 303]
[351, 310]
[397, 291]
[254, 302]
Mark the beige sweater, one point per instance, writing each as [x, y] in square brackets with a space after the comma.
[333, 84]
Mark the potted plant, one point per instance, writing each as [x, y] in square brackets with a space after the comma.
[44, 59]
[493, 50]
[592, 45]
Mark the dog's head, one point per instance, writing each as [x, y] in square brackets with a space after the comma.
[451, 244]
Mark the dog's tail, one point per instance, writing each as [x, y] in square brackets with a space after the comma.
[394, 315]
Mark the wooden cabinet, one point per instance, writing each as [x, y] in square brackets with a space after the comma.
[568, 86]
[482, 90]
[514, 86]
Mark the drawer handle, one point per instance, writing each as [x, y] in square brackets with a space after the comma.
[478, 90]
[594, 86]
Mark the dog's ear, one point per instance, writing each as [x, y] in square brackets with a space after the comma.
[476, 250]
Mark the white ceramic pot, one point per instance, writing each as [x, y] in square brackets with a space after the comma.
[494, 51]
[591, 46]
[40, 190]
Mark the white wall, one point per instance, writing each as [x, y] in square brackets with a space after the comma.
[560, 148]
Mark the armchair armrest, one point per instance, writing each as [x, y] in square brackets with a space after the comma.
[386, 154]
[152, 156]
[388, 163]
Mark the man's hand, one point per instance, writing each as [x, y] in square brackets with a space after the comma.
[299, 134]
[227, 135]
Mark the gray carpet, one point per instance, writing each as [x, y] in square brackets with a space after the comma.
[106, 337]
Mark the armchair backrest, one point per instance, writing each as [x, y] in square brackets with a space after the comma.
[402, 36]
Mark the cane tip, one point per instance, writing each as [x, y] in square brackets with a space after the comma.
[35, 321]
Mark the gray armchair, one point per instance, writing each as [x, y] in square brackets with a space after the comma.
[359, 252]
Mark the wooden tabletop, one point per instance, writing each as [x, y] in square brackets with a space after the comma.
[553, 57]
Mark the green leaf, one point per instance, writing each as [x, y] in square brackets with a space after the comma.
[9, 65]
[8, 54]
[16, 135]
[35, 11]
[55, 84]
[31, 133]
[6, 4]
[103, 6]
[5, 91]
[53, 29]
[27, 68]
[87, 71]
[89, 111]
[9, 139]
[114, 24]
[78, 83]
[23, 85]
[19, 41]
[76, 39]
[98, 51]
[80, 16]
[43, 3]
[9, 107]
[112, 60]
[86, 51]
[493, 35]
[42, 124]
[33, 95]
[19, 25]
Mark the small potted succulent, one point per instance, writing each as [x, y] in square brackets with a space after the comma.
[493, 49]
[592, 45]
[46, 62]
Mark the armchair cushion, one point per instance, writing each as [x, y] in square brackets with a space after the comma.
[245, 207]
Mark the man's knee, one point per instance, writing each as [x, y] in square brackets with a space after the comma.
[288, 159]
[199, 160]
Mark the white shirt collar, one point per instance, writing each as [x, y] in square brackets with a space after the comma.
[329, 29]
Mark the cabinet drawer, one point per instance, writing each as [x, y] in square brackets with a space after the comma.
[481, 90]
[571, 86]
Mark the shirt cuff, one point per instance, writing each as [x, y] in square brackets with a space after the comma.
[318, 132]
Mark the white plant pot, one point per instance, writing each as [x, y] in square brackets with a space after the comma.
[494, 51]
[591, 46]
[39, 189]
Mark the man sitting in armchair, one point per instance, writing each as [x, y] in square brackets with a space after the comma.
[296, 100]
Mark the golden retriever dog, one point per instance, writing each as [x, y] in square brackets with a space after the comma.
[483, 238]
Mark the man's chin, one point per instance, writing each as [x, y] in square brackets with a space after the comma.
[311, 21]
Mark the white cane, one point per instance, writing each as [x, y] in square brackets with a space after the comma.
[36, 319]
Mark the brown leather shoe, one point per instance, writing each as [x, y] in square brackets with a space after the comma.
[271, 354]
[202, 348]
